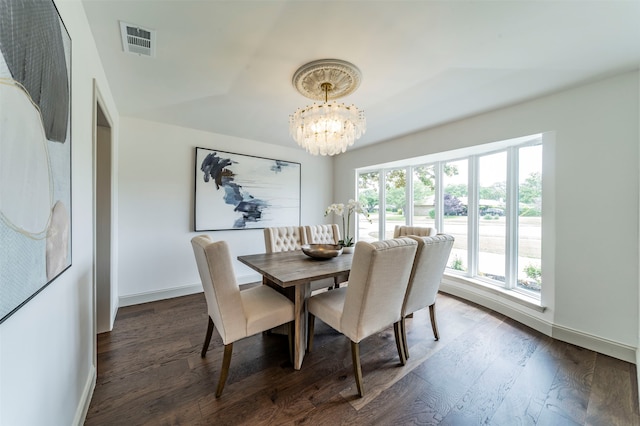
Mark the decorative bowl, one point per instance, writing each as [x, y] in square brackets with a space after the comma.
[322, 251]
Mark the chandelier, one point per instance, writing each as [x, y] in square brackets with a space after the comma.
[330, 127]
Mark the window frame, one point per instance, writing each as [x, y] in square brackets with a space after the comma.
[472, 155]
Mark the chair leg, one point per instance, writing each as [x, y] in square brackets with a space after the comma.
[226, 361]
[336, 284]
[403, 333]
[357, 370]
[207, 339]
[310, 330]
[397, 331]
[434, 324]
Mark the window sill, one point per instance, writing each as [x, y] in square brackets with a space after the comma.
[510, 295]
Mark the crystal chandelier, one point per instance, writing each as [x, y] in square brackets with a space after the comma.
[327, 128]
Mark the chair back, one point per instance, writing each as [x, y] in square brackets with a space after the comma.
[322, 234]
[283, 238]
[420, 231]
[377, 285]
[426, 273]
[221, 290]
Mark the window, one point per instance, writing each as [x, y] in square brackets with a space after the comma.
[455, 178]
[530, 218]
[395, 200]
[424, 196]
[492, 204]
[488, 197]
[369, 197]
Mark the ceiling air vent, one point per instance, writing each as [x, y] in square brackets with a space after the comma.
[138, 40]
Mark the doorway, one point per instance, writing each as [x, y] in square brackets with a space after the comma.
[105, 291]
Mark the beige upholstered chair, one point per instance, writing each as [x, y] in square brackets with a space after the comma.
[420, 231]
[426, 275]
[284, 238]
[236, 314]
[289, 238]
[373, 299]
[322, 234]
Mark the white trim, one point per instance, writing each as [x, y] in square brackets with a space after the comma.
[638, 371]
[169, 293]
[510, 308]
[85, 398]
[155, 295]
[464, 282]
[526, 313]
[595, 343]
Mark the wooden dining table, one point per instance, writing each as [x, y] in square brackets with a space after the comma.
[291, 273]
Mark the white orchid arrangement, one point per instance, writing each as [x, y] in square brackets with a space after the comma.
[339, 209]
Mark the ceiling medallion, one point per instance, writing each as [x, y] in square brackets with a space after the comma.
[327, 128]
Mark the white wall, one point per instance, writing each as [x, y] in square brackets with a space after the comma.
[47, 352]
[593, 204]
[156, 197]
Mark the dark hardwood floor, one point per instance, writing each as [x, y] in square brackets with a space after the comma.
[485, 369]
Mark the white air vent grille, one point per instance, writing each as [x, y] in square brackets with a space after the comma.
[138, 40]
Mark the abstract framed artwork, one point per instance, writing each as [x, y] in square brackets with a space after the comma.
[236, 191]
[35, 150]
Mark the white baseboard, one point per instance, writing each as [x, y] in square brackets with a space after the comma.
[85, 400]
[512, 310]
[153, 296]
[169, 293]
[525, 316]
[595, 343]
[638, 372]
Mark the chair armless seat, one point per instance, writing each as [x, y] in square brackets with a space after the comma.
[373, 299]
[426, 276]
[236, 314]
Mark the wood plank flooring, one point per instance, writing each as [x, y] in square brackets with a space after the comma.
[485, 369]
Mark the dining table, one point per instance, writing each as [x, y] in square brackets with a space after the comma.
[291, 273]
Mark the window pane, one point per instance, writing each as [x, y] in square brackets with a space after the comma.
[368, 195]
[492, 194]
[424, 192]
[455, 187]
[530, 220]
[395, 182]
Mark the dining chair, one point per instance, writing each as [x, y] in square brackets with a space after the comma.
[373, 299]
[284, 238]
[324, 234]
[289, 238]
[236, 314]
[424, 282]
[420, 231]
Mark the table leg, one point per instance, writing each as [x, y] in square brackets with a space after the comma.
[301, 294]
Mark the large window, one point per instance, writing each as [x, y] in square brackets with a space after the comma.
[488, 197]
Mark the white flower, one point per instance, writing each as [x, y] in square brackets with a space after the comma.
[335, 208]
[339, 209]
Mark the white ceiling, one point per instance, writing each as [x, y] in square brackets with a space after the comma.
[226, 66]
